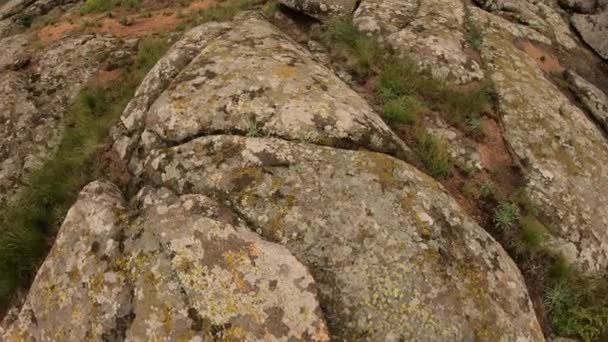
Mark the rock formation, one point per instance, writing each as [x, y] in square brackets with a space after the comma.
[267, 200]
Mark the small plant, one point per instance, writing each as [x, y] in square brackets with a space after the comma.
[474, 125]
[473, 32]
[532, 234]
[506, 216]
[433, 154]
[26, 20]
[404, 109]
[254, 131]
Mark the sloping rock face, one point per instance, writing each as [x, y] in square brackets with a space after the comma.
[185, 268]
[246, 236]
[594, 30]
[562, 149]
[565, 155]
[433, 37]
[35, 89]
[595, 101]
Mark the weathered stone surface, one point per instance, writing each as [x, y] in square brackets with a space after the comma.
[251, 80]
[13, 11]
[384, 17]
[33, 101]
[14, 54]
[564, 154]
[184, 268]
[393, 255]
[594, 30]
[323, 10]
[595, 101]
[579, 6]
[537, 15]
[434, 38]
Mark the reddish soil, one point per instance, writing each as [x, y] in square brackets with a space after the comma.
[545, 60]
[158, 20]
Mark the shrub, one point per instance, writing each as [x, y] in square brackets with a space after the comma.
[506, 215]
[433, 154]
[578, 307]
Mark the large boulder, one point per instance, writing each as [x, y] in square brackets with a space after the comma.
[253, 81]
[181, 269]
[593, 28]
[393, 256]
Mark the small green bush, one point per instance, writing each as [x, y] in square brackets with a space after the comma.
[433, 154]
[506, 215]
[578, 307]
[403, 109]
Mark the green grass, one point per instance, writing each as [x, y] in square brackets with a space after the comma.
[99, 6]
[401, 77]
[345, 39]
[433, 154]
[404, 109]
[532, 234]
[578, 307]
[29, 223]
[473, 34]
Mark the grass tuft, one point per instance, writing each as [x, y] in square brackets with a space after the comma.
[433, 154]
[404, 109]
[353, 44]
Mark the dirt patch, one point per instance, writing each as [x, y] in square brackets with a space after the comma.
[545, 60]
[121, 23]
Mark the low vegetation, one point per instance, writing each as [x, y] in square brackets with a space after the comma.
[98, 6]
[29, 223]
[407, 94]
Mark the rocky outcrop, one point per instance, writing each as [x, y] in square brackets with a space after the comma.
[184, 267]
[14, 14]
[593, 28]
[269, 86]
[244, 233]
[564, 154]
[433, 38]
[323, 10]
[35, 89]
